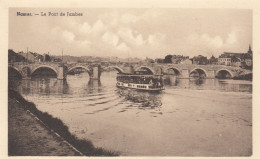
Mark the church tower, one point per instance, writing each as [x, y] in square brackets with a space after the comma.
[249, 50]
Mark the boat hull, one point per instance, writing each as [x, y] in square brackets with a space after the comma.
[141, 87]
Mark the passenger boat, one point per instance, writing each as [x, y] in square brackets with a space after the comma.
[140, 81]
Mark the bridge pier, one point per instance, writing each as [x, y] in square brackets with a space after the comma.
[24, 77]
[211, 74]
[185, 73]
[96, 72]
[26, 73]
[60, 74]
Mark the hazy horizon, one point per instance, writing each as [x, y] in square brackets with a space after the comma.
[141, 33]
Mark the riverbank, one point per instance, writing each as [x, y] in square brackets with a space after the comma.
[47, 136]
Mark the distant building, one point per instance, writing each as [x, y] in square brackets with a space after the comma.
[248, 62]
[186, 62]
[46, 58]
[250, 50]
[176, 59]
[236, 59]
[224, 59]
[38, 58]
[148, 60]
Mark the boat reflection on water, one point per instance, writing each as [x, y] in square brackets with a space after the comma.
[144, 100]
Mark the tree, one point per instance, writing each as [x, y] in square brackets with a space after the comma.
[14, 57]
[200, 60]
[159, 60]
[213, 60]
[47, 58]
[168, 59]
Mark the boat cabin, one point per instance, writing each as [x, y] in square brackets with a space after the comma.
[140, 80]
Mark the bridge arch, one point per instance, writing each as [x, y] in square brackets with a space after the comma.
[176, 70]
[44, 66]
[19, 73]
[147, 68]
[224, 73]
[118, 69]
[201, 72]
[84, 67]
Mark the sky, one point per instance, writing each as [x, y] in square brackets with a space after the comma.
[140, 32]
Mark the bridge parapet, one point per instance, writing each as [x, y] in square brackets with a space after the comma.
[94, 70]
[118, 68]
[210, 71]
[27, 69]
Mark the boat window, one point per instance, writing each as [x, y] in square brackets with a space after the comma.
[153, 81]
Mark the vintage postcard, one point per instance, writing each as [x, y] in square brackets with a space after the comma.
[137, 80]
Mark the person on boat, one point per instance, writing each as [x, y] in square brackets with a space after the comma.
[151, 82]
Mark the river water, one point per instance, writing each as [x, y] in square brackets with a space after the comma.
[190, 117]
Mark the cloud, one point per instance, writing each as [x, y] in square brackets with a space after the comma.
[83, 43]
[66, 37]
[207, 45]
[118, 32]
[110, 38]
[126, 34]
[122, 47]
[215, 42]
[205, 40]
[113, 32]
[152, 13]
[144, 32]
[232, 38]
[63, 34]
[98, 27]
[139, 40]
[128, 18]
[156, 39]
[85, 28]
[69, 36]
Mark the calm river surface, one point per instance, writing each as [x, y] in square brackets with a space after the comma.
[190, 118]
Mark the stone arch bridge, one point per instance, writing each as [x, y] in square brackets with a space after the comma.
[26, 70]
